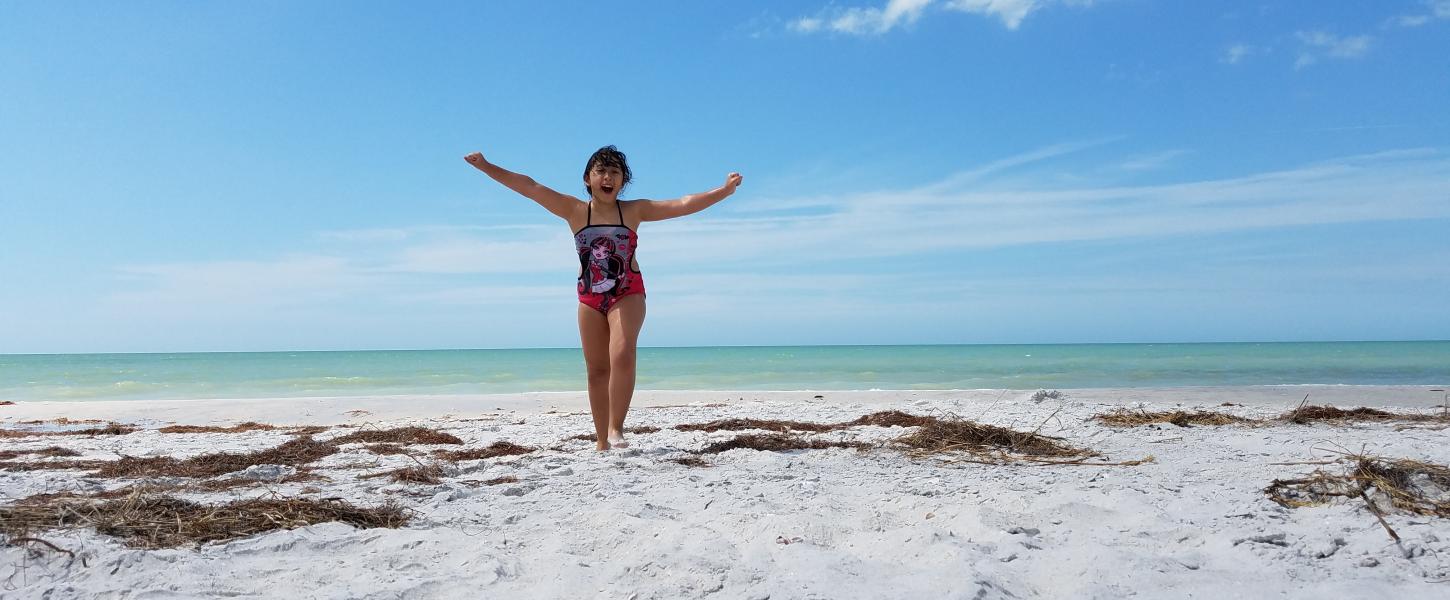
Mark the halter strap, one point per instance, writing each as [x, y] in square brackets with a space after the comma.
[589, 216]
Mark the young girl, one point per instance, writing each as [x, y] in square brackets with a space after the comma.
[611, 289]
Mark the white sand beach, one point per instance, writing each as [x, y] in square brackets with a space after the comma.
[566, 521]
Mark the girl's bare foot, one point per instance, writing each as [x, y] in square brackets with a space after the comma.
[602, 446]
[616, 440]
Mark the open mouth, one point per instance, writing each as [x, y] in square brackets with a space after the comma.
[608, 189]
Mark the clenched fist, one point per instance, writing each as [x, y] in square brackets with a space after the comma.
[476, 159]
[732, 181]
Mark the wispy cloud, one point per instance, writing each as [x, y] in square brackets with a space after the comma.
[863, 21]
[1434, 10]
[1236, 53]
[903, 13]
[779, 255]
[1148, 162]
[1318, 44]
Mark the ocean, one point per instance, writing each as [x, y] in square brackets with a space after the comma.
[1052, 366]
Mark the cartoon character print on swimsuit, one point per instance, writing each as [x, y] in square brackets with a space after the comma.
[606, 256]
[604, 268]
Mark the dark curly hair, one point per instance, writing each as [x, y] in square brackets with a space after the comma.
[608, 156]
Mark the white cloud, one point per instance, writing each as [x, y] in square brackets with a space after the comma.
[1149, 162]
[438, 272]
[900, 13]
[1317, 44]
[865, 21]
[255, 284]
[1437, 9]
[806, 25]
[1011, 12]
[1237, 53]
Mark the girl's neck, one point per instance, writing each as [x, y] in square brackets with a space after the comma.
[604, 201]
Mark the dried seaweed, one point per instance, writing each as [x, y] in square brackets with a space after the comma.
[1124, 417]
[401, 435]
[146, 520]
[775, 442]
[292, 453]
[491, 451]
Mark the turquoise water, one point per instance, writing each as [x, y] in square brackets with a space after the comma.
[294, 374]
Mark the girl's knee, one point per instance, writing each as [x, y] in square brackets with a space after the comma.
[621, 357]
[597, 372]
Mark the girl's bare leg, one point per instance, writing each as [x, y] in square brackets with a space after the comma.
[594, 337]
[626, 318]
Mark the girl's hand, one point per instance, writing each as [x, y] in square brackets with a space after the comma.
[476, 159]
[732, 181]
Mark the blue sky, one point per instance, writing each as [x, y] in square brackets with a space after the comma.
[289, 175]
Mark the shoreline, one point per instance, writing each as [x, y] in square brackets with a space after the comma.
[333, 410]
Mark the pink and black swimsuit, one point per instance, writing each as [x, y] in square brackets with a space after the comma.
[606, 262]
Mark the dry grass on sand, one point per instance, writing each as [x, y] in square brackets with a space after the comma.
[889, 418]
[238, 428]
[401, 435]
[53, 451]
[1303, 415]
[1126, 417]
[429, 474]
[1306, 414]
[775, 442]
[490, 451]
[958, 434]
[1408, 485]
[108, 429]
[147, 520]
[292, 453]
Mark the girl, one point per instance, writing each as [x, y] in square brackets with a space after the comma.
[611, 289]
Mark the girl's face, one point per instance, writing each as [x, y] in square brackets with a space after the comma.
[605, 181]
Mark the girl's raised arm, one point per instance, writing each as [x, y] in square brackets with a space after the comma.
[659, 210]
[562, 205]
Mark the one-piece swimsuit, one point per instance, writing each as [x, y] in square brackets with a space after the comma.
[607, 270]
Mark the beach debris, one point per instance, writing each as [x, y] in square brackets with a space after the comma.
[762, 424]
[1383, 484]
[385, 449]
[47, 465]
[428, 474]
[145, 519]
[292, 453]
[53, 451]
[1408, 485]
[957, 434]
[776, 442]
[691, 461]
[6, 403]
[1040, 395]
[62, 421]
[1304, 415]
[109, 429]
[889, 418]
[886, 418]
[490, 451]
[1125, 417]
[400, 435]
[219, 485]
[306, 429]
[238, 428]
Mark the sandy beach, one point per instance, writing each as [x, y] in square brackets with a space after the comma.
[1158, 510]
